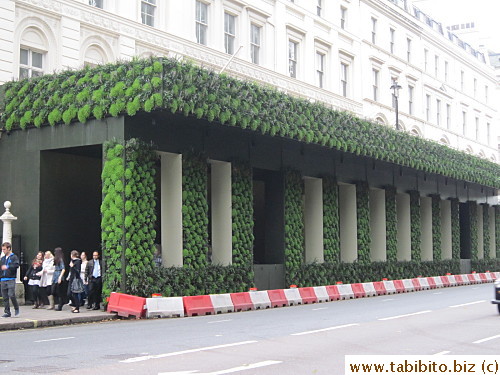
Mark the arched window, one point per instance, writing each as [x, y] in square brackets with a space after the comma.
[94, 55]
[33, 49]
[469, 150]
[416, 132]
[444, 140]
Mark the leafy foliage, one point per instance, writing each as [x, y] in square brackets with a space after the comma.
[497, 231]
[436, 227]
[472, 206]
[455, 229]
[363, 221]
[486, 231]
[416, 226]
[391, 224]
[331, 221]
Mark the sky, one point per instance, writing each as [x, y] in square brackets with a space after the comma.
[484, 13]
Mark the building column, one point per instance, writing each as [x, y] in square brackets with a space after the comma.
[446, 237]
[171, 209]
[348, 223]
[403, 226]
[377, 225]
[492, 232]
[313, 219]
[480, 232]
[426, 225]
[222, 223]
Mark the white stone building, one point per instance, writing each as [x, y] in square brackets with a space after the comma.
[345, 53]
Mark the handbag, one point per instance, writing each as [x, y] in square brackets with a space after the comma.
[77, 285]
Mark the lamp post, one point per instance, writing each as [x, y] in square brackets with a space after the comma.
[395, 93]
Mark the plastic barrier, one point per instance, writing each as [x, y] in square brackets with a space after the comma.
[260, 299]
[369, 289]
[321, 293]
[408, 285]
[465, 279]
[242, 301]
[497, 275]
[438, 281]
[416, 284]
[424, 283]
[459, 279]
[198, 305]
[308, 295]
[431, 282]
[474, 278]
[333, 292]
[222, 303]
[278, 298]
[445, 281]
[293, 296]
[490, 277]
[345, 291]
[358, 290]
[126, 305]
[389, 286]
[452, 280]
[379, 288]
[399, 286]
[167, 307]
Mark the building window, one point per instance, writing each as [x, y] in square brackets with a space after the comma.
[448, 116]
[292, 58]
[31, 63]
[374, 30]
[96, 3]
[343, 18]
[410, 99]
[436, 66]
[319, 7]
[438, 112]
[446, 71]
[426, 58]
[255, 43]
[148, 8]
[486, 94]
[320, 68]
[428, 107]
[229, 32]
[392, 38]
[488, 132]
[375, 84]
[462, 76]
[408, 49]
[201, 22]
[477, 128]
[344, 78]
[475, 87]
[464, 122]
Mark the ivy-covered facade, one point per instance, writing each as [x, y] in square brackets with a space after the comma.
[307, 193]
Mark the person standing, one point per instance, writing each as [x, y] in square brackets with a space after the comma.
[85, 294]
[8, 271]
[74, 273]
[57, 278]
[33, 276]
[46, 280]
[93, 274]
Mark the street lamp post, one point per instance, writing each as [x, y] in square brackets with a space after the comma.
[395, 93]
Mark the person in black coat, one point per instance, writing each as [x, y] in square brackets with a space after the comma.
[33, 276]
[93, 274]
[74, 273]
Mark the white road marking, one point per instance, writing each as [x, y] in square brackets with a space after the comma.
[220, 321]
[59, 339]
[320, 308]
[405, 315]
[438, 293]
[325, 329]
[443, 353]
[486, 339]
[467, 304]
[148, 357]
[222, 372]
[388, 299]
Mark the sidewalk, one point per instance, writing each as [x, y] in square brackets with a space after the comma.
[36, 318]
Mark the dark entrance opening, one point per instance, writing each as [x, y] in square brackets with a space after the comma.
[465, 238]
[269, 242]
[70, 199]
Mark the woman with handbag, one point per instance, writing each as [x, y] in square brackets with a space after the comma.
[57, 278]
[75, 281]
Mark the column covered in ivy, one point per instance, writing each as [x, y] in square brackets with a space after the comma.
[294, 226]
[415, 225]
[455, 228]
[331, 220]
[391, 223]
[497, 231]
[486, 231]
[363, 218]
[472, 206]
[436, 227]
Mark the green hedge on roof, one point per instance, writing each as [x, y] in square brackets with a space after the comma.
[125, 88]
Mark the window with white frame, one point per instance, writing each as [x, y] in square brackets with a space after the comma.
[97, 3]
[30, 63]
[477, 128]
[411, 90]
[408, 49]
[475, 87]
[319, 7]
[446, 71]
[148, 9]
[320, 68]
[438, 112]
[464, 122]
[428, 107]
[255, 31]
[392, 36]
[436, 66]
[375, 76]
[229, 32]
[374, 30]
[343, 18]
[462, 78]
[448, 116]
[201, 22]
[488, 132]
[293, 49]
[344, 78]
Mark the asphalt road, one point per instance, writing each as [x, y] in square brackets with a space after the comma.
[308, 339]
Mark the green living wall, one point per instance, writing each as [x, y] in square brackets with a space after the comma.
[415, 226]
[391, 224]
[331, 220]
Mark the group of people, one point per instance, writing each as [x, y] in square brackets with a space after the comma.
[50, 284]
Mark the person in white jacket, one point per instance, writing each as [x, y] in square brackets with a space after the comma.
[46, 280]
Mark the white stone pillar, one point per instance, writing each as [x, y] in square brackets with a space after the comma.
[348, 223]
[377, 225]
[171, 209]
[403, 226]
[313, 218]
[222, 222]
[426, 228]
[480, 237]
[446, 236]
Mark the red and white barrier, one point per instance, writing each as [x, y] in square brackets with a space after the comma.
[166, 307]
[379, 288]
[242, 301]
[260, 299]
[345, 291]
[358, 290]
[333, 292]
[222, 303]
[293, 296]
[369, 289]
[321, 293]
[408, 285]
[198, 305]
[308, 295]
[389, 286]
[278, 298]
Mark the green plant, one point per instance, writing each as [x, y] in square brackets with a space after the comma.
[331, 221]
[486, 231]
[436, 227]
[455, 229]
[497, 231]
[391, 224]
[472, 207]
[363, 221]
[416, 226]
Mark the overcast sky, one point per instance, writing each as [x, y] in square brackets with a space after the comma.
[484, 13]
